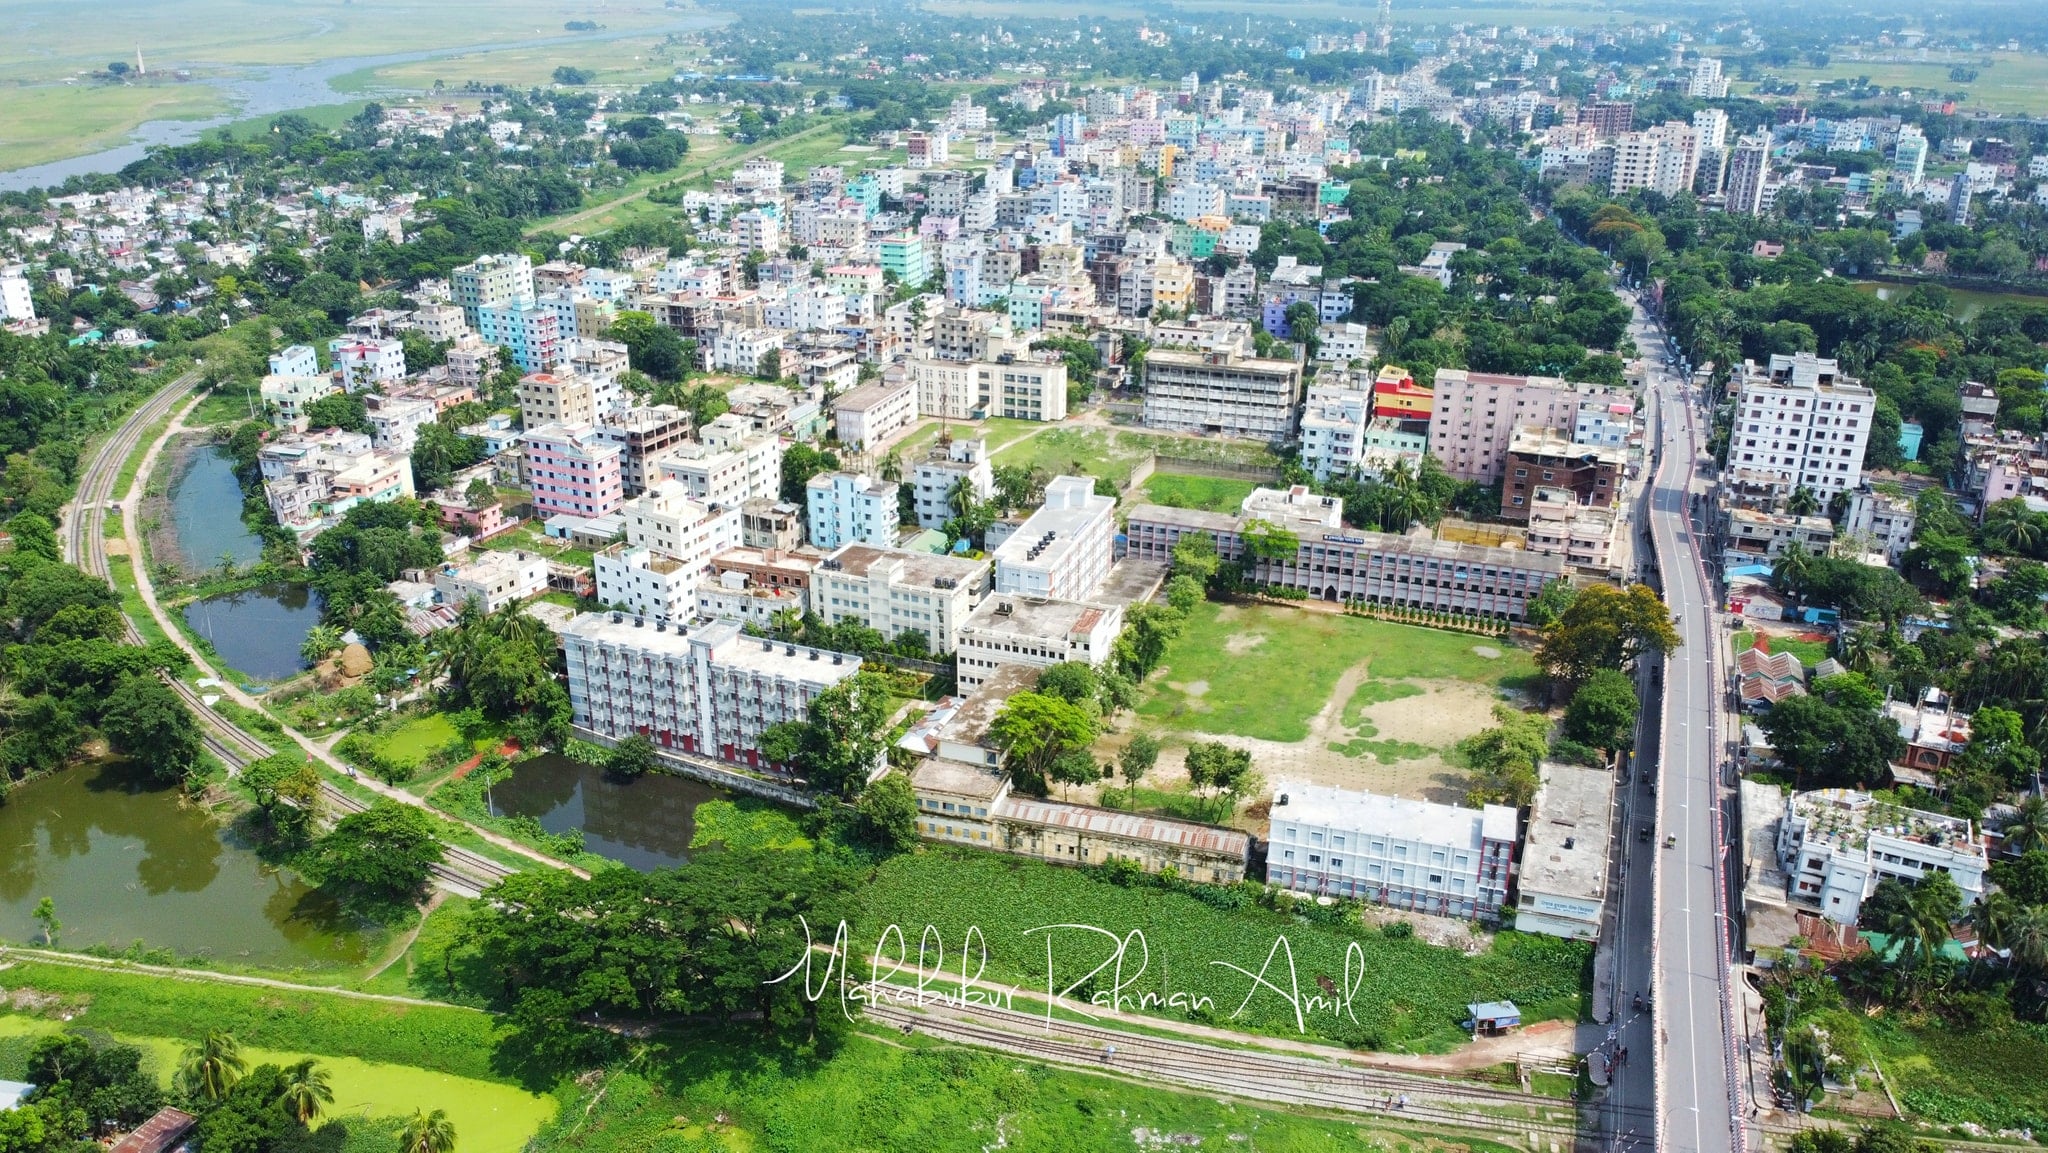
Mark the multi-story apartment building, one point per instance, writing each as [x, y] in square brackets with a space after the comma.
[311, 481]
[949, 464]
[1036, 633]
[726, 465]
[532, 334]
[1444, 860]
[1222, 392]
[1333, 422]
[1016, 388]
[395, 422]
[491, 282]
[897, 591]
[875, 411]
[573, 471]
[644, 435]
[1800, 421]
[640, 581]
[1548, 458]
[1062, 551]
[705, 690]
[286, 397]
[1475, 415]
[1881, 522]
[850, 507]
[295, 360]
[365, 364]
[493, 580]
[1749, 169]
[550, 398]
[1561, 885]
[1338, 563]
[1835, 845]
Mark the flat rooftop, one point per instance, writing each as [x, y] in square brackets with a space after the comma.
[1018, 616]
[937, 774]
[1571, 832]
[1135, 826]
[969, 722]
[1556, 442]
[1333, 808]
[923, 569]
[1847, 818]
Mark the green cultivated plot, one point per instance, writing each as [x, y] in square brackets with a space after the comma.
[1215, 494]
[1412, 996]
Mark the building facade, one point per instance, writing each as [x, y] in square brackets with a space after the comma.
[1801, 422]
[896, 591]
[1444, 860]
[1222, 392]
[848, 508]
[571, 470]
[1063, 550]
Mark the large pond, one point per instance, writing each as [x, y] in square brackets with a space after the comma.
[1963, 303]
[126, 859]
[206, 512]
[645, 823]
[258, 631]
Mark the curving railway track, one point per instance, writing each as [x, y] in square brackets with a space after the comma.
[85, 545]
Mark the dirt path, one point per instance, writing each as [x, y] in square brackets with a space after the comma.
[404, 946]
[76, 961]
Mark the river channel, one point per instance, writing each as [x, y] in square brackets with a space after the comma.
[645, 823]
[270, 91]
[126, 859]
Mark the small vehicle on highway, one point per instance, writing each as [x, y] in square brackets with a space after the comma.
[1643, 834]
[1670, 840]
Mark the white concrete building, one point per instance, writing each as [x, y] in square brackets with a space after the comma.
[646, 583]
[896, 591]
[17, 302]
[1801, 422]
[933, 479]
[493, 580]
[671, 521]
[1016, 388]
[705, 690]
[1062, 551]
[1443, 860]
[367, 364]
[1880, 522]
[1333, 424]
[728, 464]
[395, 423]
[1837, 844]
[1561, 886]
[286, 397]
[849, 507]
[295, 360]
[1015, 630]
[874, 412]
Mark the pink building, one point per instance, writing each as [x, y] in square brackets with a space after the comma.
[1476, 414]
[573, 471]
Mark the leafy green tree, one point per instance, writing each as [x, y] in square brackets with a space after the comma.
[634, 756]
[34, 535]
[143, 718]
[1824, 744]
[380, 857]
[1033, 730]
[799, 465]
[46, 916]
[321, 641]
[343, 410]
[103, 1079]
[1137, 758]
[1267, 541]
[842, 738]
[1605, 628]
[887, 815]
[1505, 758]
[1215, 767]
[1603, 711]
[1549, 604]
[1075, 682]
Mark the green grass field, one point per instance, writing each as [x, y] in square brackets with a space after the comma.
[51, 122]
[1263, 671]
[1215, 494]
[1412, 995]
[1996, 1077]
[916, 1094]
[416, 740]
[2010, 82]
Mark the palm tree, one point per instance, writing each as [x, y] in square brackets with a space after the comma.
[212, 1067]
[426, 1132]
[2028, 828]
[2012, 526]
[1859, 649]
[306, 1089]
[2028, 938]
[1992, 917]
[1803, 502]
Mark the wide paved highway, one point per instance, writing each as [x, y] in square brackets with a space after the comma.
[1695, 1110]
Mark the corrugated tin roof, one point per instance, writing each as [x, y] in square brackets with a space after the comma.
[1134, 826]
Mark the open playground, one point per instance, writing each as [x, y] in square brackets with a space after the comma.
[1332, 699]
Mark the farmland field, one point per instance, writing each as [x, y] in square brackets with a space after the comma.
[2006, 81]
[1411, 997]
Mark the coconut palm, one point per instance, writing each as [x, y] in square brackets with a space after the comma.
[2028, 828]
[1803, 502]
[426, 1132]
[2028, 939]
[212, 1067]
[320, 641]
[1859, 649]
[1992, 917]
[2012, 526]
[306, 1089]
